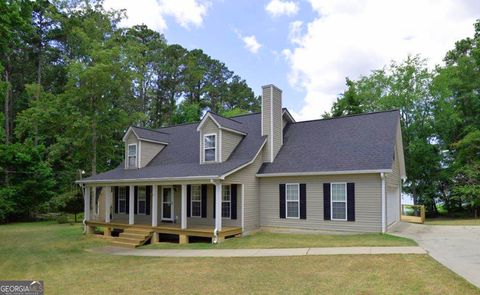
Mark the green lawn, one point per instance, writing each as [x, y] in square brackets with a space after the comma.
[56, 254]
[452, 221]
[283, 240]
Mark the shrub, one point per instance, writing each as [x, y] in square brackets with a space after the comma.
[62, 219]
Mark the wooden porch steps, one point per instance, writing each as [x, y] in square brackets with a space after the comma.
[132, 237]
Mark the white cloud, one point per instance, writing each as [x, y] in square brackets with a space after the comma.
[278, 8]
[186, 13]
[351, 38]
[251, 43]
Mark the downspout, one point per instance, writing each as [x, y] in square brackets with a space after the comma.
[215, 231]
[84, 222]
[382, 176]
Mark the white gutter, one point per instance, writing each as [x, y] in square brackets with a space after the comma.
[382, 176]
[139, 180]
[324, 173]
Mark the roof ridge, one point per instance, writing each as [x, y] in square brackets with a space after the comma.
[224, 117]
[347, 116]
[148, 129]
[247, 114]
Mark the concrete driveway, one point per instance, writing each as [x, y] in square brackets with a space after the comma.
[456, 247]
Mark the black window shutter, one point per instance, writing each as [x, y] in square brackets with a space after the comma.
[214, 199]
[326, 201]
[135, 198]
[282, 200]
[351, 201]
[204, 201]
[127, 199]
[189, 199]
[303, 201]
[149, 197]
[233, 190]
[115, 193]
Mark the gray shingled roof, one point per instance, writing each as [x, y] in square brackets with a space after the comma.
[180, 158]
[229, 123]
[149, 134]
[361, 142]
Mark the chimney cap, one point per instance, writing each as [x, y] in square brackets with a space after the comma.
[271, 86]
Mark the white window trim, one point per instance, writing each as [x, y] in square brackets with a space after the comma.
[138, 202]
[119, 199]
[216, 147]
[331, 201]
[286, 201]
[191, 201]
[136, 155]
[230, 201]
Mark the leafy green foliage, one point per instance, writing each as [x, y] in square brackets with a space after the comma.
[31, 181]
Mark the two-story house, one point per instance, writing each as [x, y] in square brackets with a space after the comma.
[222, 177]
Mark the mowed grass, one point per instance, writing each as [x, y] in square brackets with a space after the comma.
[284, 240]
[452, 221]
[57, 254]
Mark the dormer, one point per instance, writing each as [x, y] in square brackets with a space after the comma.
[142, 145]
[219, 136]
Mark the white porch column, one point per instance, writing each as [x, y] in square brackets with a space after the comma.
[131, 204]
[154, 205]
[93, 199]
[108, 202]
[86, 211]
[218, 206]
[184, 206]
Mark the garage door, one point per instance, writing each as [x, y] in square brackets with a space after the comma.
[393, 205]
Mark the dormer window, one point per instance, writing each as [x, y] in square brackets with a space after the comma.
[210, 147]
[132, 156]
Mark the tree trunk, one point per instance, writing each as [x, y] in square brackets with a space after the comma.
[94, 140]
[37, 90]
[8, 99]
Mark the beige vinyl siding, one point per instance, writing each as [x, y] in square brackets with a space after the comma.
[393, 179]
[266, 127]
[209, 127]
[367, 203]
[209, 220]
[246, 176]
[229, 142]
[277, 121]
[148, 150]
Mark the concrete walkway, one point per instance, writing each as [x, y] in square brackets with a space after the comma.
[259, 252]
[456, 247]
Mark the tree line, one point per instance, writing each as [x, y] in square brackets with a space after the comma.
[73, 80]
[440, 117]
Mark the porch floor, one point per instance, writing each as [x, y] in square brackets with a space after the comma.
[173, 228]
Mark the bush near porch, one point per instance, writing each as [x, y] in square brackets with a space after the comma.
[57, 254]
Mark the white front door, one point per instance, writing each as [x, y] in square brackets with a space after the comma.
[167, 203]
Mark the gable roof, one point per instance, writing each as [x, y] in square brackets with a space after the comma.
[223, 123]
[148, 135]
[180, 158]
[354, 143]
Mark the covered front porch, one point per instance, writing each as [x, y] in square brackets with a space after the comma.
[213, 210]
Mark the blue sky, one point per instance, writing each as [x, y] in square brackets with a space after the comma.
[307, 48]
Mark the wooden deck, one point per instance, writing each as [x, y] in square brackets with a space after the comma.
[175, 229]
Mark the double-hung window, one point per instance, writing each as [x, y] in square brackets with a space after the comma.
[226, 201]
[142, 200]
[196, 203]
[122, 200]
[210, 148]
[132, 155]
[292, 200]
[339, 201]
